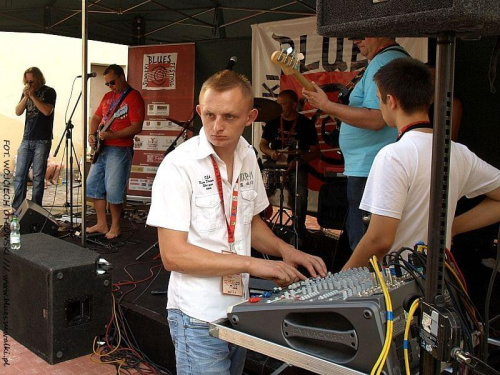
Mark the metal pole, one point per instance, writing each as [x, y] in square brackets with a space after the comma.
[84, 116]
[438, 204]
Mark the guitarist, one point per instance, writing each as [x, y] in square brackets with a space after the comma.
[109, 173]
[363, 132]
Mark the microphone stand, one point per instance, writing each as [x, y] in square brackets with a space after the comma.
[69, 148]
[295, 220]
[185, 127]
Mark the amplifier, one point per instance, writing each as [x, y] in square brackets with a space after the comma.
[410, 18]
[340, 318]
[56, 297]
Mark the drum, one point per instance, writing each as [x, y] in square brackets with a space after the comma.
[274, 178]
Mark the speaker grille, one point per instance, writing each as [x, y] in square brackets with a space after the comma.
[57, 301]
[408, 18]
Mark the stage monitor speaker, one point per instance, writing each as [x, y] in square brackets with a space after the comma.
[407, 18]
[57, 301]
[34, 218]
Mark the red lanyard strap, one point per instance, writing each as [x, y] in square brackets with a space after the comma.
[284, 142]
[415, 125]
[231, 224]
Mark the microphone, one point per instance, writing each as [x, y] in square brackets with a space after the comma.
[232, 62]
[89, 75]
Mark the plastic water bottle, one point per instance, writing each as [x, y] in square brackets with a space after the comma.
[15, 234]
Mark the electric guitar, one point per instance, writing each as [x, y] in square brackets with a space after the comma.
[104, 127]
[290, 64]
[289, 61]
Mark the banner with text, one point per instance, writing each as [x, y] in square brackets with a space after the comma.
[164, 74]
[330, 62]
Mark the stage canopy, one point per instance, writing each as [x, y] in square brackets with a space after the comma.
[136, 22]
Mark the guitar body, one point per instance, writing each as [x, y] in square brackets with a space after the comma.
[104, 127]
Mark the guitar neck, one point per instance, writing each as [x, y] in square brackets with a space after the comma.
[304, 82]
[107, 124]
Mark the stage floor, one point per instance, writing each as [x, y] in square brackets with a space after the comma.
[140, 286]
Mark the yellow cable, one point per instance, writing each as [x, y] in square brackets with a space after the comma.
[379, 365]
[96, 353]
[390, 324]
[413, 308]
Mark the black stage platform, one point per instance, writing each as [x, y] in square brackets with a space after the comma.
[144, 302]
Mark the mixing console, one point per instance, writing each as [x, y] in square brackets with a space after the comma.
[340, 318]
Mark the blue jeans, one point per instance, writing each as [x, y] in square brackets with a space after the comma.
[196, 352]
[355, 227]
[109, 175]
[36, 153]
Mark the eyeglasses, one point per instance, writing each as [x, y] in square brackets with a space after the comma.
[111, 83]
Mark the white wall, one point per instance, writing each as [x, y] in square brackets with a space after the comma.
[59, 59]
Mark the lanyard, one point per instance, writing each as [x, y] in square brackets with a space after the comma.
[414, 125]
[231, 224]
[284, 142]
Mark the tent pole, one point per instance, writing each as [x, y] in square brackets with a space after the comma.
[84, 119]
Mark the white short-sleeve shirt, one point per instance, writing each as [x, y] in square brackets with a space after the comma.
[398, 185]
[185, 198]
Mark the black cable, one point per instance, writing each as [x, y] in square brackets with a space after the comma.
[415, 277]
[148, 286]
[342, 231]
[488, 296]
[132, 343]
[465, 329]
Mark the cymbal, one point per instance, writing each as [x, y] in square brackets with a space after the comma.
[268, 109]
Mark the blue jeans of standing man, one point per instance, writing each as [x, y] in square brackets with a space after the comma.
[198, 353]
[36, 153]
[355, 226]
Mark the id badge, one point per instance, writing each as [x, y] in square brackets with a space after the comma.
[232, 285]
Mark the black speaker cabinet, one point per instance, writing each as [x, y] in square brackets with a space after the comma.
[34, 218]
[407, 18]
[54, 301]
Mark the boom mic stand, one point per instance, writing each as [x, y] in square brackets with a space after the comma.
[185, 127]
[295, 217]
[69, 148]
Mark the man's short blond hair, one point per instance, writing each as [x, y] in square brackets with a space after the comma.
[226, 80]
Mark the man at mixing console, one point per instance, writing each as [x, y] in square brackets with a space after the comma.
[397, 191]
[206, 201]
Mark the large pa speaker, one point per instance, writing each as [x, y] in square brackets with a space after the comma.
[411, 18]
[54, 300]
[34, 218]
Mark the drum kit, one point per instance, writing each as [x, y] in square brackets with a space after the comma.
[275, 176]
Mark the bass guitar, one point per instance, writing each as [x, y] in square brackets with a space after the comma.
[104, 127]
[289, 62]
[290, 65]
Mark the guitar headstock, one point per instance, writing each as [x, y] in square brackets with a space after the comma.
[289, 61]
[121, 111]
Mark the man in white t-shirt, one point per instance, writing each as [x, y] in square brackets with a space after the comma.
[398, 187]
[206, 200]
